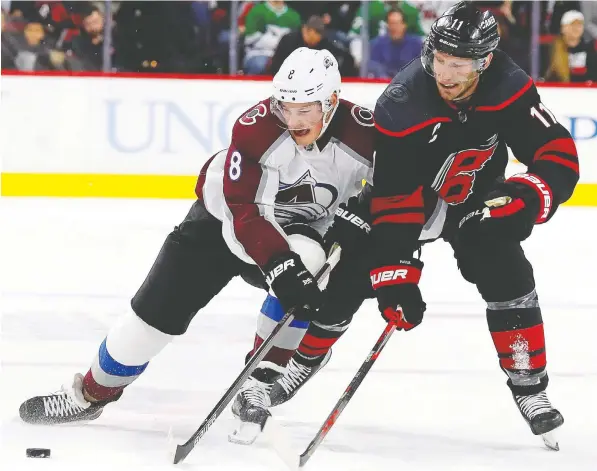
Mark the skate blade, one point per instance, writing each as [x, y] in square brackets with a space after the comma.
[245, 433]
[551, 441]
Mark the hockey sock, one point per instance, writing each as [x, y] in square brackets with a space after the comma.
[516, 328]
[122, 357]
[287, 340]
[318, 341]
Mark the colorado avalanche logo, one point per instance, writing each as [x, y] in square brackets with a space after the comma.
[304, 200]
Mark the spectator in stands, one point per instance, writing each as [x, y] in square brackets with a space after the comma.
[60, 19]
[29, 49]
[377, 24]
[7, 55]
[397, 48]
[573, 58]
[312, 35]
[266, 24]
[88, 46]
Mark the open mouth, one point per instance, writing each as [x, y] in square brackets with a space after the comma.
[448, 86]
[300, 132]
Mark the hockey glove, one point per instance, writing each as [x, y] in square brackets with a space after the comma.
[293, 285]
[398, 294]
[350, 227]
[511, 210]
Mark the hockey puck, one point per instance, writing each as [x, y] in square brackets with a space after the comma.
[38, 452]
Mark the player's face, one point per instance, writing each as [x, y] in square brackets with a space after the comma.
[456, 77]
[304, 121]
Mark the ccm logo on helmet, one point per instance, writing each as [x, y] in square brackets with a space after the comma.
[278, 270]
[388, 275]
[357, 221]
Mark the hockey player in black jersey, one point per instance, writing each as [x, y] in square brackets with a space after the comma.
[444, 125]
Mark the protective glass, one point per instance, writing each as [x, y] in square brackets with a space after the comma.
[446, 68]
[297, 116]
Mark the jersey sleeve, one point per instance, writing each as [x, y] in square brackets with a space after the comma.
[397, 204]
[540, 142]
[250, 186]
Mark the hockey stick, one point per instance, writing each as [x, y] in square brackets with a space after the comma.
[347, 394]
[183, 450]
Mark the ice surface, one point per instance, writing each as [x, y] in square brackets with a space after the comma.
[435, 400]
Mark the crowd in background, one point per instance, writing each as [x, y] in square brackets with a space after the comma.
[194, 36]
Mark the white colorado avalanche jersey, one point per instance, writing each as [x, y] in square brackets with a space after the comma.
[264, 181]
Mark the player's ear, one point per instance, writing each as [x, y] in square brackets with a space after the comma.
[488, 60]
[334, 99]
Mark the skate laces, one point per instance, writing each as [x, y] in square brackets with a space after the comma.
[67, 401]
[295, 374]
[533, 405]
[60, 404]
[257, 393]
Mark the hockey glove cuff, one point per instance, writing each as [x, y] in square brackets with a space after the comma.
[398, 294]
[293, 285]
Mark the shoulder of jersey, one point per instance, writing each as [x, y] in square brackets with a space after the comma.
[354, 128]
[406, 106]
[256, 130]
[503, 84]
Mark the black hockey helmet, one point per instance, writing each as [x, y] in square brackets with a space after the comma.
[462, 31]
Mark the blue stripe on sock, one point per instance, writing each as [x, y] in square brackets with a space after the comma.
[111, 366]
[273, 309]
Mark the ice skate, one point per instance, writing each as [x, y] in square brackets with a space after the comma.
[64, 406]
[295, 376]
[251, 406]
[541, 416]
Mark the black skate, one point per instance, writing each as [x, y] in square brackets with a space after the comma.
[64, 406]
[295, 376]
[251, 406]
[541, 416]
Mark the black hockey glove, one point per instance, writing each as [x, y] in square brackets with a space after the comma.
[510, 212]
[398, 294]
[350, 227]
[293, 285]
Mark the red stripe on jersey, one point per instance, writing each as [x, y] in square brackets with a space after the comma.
[406, 218]
[563, 144]
[519, 340]
[414, 128]
[524, 362]
[559, 160]
[380, 204]
[507, 102]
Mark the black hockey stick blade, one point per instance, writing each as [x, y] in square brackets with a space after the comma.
[182, 451]
[348, 393]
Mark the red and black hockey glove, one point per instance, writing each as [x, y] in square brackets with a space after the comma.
[351, 225]
[398, 294]
[511, 210]
[293, 285]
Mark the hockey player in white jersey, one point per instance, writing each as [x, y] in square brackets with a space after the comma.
[262, 208]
